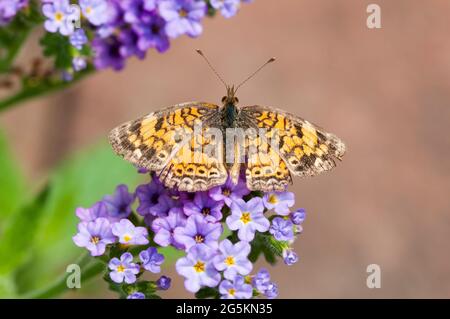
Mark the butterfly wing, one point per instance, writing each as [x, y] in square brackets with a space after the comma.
[304, 149]
[164, 142]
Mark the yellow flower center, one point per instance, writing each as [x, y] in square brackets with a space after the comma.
[273, 199]
[88, 10]
[248, 279]
[183, 13]
[229, 260]
[231, 291]
[127, 238]
[95, 240]
[121, 268]
[245, 218]
[58, 16]
[199, 266]
[199, 239]
[226, 192]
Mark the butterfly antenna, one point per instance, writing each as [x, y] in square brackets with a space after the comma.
[254, 73]
[211, 67]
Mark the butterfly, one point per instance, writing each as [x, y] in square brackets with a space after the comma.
[173, 144]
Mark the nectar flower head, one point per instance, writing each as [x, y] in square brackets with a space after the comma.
[123, 269]
[247, 217]
[198, 269]
[271, 291]
[198, 231]
[148, 196]
[204, 205]
[119, 204]
[290, 257]
[163, 283]
[233, 259]
[9, 9]
[282, 229]
[229, 192]
[92, 213]
[261, 280]
[182, 16]
[298, 216]
[96, 11]
[129, 234]
[228, 8]
[78, 38]
[279, 202]
[94, 236]
[238, 289]
[151, 259]
[59, 16]
[164, 228]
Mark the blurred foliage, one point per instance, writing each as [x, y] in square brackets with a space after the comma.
[36, 241]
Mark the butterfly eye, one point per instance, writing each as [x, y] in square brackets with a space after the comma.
[224, 99]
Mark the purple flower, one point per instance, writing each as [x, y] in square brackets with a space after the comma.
[237, 289]
[94, 236]
[133, 10]
[79, 63]
[59, 16]
[164, 228]
[165, 204]
[271, 290]
[182, 16]
[107, 53]
[282, 229]
[151, 259]
[279, 202]
[298, 216]
[152, 34]
[290, 257]
[228, 8]
[204, 205]
[163, 283]
[148, 195]
[90, 214]
[9, 9]
[119, 204]
[78, 38]
[129, 234]
[198, 231]
[198, 269]
[247, 217]
[233, 259]
[96, 11]
[123, 269]
[129, 40]
[261, 280]
[136, 295]
[229, 192]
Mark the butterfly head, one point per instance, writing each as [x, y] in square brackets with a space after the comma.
[230, 98]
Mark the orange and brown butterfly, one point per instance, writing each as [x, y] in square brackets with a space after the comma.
[158, 143]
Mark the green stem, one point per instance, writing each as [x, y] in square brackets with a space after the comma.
[40, 90]
[90, 268]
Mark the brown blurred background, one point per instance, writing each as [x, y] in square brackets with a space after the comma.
[384, 92]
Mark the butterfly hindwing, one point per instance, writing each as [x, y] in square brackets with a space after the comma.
[305, 148]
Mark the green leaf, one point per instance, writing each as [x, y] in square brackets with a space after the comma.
[18, 236]
[57, 46]
[207, 292]
[12, 186]
[80, 181]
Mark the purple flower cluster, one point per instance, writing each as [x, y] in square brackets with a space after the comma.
[9, 9]
[194, 223]
[120, 29]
